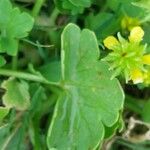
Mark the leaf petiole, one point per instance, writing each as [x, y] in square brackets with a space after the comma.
[27, 76]
[37, 7]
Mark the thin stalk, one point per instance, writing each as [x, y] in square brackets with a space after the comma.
[37, 7]
[37, 45]
[26, 76]
[53, 16]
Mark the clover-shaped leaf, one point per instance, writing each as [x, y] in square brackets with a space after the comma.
[20, 24]
[73, 6]
[13, 26]
[89, 101]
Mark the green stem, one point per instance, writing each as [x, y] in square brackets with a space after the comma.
[14, 62]
[35, 44]
[37, 7]
[53, 16]
[27, 76]
[52, 22]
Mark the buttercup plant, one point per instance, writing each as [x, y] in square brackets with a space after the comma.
[55, 92]
[128, 56]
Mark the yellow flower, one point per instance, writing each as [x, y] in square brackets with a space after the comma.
[136, 34]
[146, 59]
[137, 76]
[128, 56]
[110, 42]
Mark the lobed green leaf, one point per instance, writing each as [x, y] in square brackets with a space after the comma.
[90, 101]
[16, 95]
[13, 26]
[73, 6]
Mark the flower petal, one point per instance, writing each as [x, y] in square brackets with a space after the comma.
[110, 42]
[136, 76]
[136, 34]
[146, 59]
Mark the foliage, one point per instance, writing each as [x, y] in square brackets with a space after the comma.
[72, 72]
[16, 95]
[73, 6]
[77, 113]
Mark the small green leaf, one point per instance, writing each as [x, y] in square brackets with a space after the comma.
[20, 24]
[16, 95]
[9, 45]
[3, 112]
[90, 101]
[70, 7]
[13, 26]
[73, 6]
